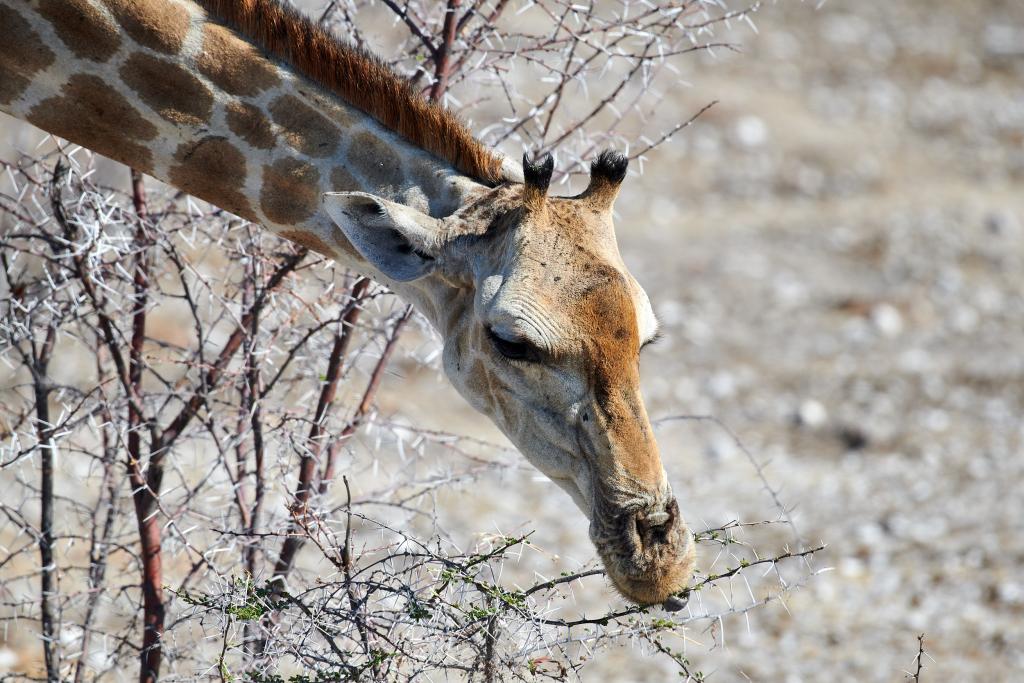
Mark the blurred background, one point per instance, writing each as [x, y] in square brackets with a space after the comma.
[836, 254]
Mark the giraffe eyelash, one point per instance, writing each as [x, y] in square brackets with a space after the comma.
[658, 336]
[514, 351]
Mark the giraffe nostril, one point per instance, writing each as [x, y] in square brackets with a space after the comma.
[658, 518]
[655, 525]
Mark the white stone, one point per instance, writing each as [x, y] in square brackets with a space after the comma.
[751, 131]
[722, 385]
[887, 320]
[812, 414]
[8, 659]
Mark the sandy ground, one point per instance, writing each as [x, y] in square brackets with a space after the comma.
[836, 252]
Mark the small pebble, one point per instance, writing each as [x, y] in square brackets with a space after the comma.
[887, 320]
[811, 414]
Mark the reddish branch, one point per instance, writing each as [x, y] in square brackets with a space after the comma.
[152, 577]
[139, 195]
[307, 465]
[378, 373]
[442, 56]
[250, 412]
[476, 38]
[293, 543]
[246, 404]
[367, 401]
[256, 423]
[143, 496]
[355, 605]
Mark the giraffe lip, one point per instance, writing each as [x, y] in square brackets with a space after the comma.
[674, 603]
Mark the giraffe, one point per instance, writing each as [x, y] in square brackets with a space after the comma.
[252, 107]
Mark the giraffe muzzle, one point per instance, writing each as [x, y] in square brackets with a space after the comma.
[648, 552]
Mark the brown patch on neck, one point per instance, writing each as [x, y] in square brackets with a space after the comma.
[157, 24]
[377, 162]
[172, 91]
[342, 180]
[233, 64]
[98, 117]
[22, 55]
[249, 123]
[291, 191]
[82, 27]
[213, 169]
[360, 79]
[303, 128]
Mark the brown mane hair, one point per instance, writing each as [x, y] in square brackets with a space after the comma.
[360, 79]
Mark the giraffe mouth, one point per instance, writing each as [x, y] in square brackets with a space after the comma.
[646, 548]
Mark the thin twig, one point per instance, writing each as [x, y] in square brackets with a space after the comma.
[919, 659]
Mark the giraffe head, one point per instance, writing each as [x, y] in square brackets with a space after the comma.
[542, 328]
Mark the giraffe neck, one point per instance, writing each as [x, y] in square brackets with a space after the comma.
[162, 87]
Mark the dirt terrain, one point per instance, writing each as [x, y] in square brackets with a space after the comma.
[836, 253]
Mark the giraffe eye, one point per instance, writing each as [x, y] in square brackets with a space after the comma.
[514, 349]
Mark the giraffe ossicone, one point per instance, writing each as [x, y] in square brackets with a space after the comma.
[541, 321]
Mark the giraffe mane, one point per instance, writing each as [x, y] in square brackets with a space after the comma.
[361, 79]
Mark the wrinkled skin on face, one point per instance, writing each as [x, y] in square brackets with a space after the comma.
[543, 328]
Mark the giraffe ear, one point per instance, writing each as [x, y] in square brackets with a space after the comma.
[400, 242]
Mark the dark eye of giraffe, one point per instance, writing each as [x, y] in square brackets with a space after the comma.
[514, 348]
